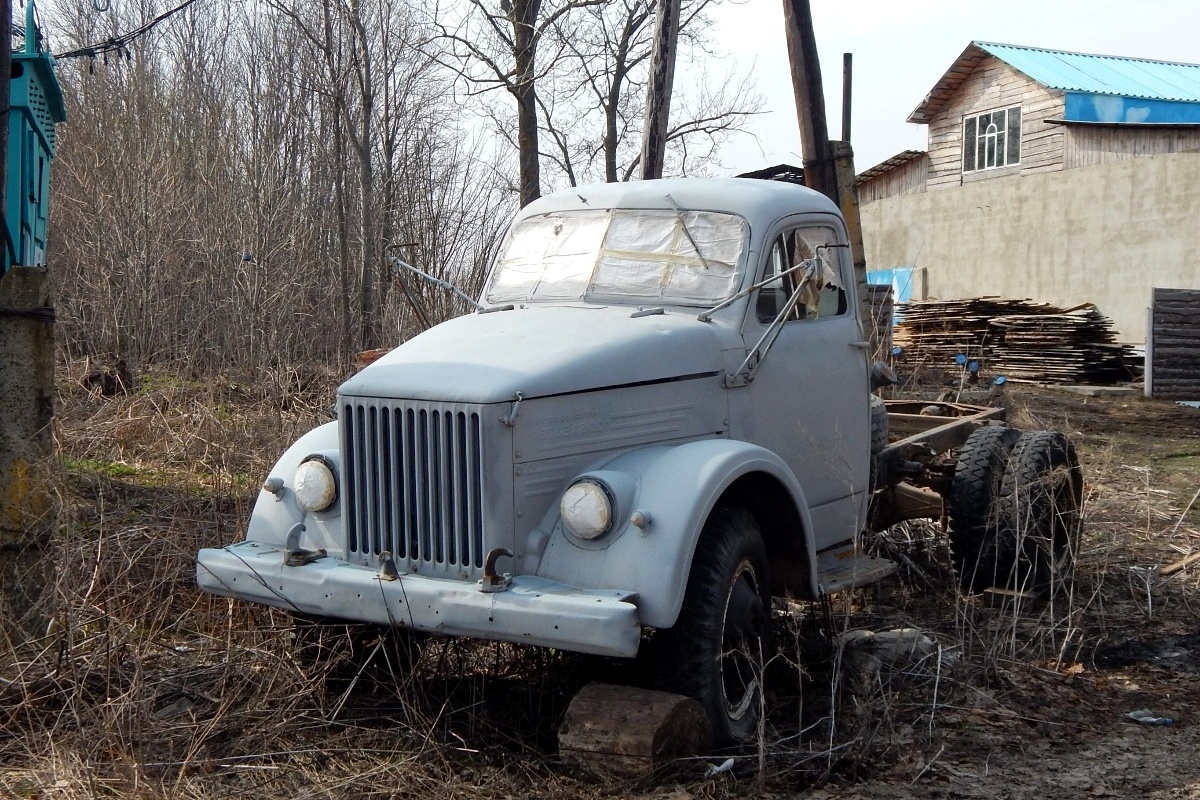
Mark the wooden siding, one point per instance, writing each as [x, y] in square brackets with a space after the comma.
[1173, 351]
[907, 178]
[1089, 145]
[995, 85]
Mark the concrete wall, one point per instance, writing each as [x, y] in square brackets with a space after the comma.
[1105, 234]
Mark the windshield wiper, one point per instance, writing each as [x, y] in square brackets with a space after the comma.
[397, 263]
[686, 232]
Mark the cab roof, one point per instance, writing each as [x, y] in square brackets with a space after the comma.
[758, 201]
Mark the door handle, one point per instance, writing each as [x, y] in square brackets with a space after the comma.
[861, 345]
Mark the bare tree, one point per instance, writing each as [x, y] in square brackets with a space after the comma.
[497, 48]
[228, 218]
[604, 76]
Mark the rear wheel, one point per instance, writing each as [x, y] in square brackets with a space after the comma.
[1040, 503]
[983, 555]
[717, 648]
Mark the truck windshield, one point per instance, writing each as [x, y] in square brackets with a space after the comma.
[621, 254]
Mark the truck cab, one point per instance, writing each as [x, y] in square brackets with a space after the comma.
[658, 416]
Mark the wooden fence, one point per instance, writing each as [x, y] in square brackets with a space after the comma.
[1173, 345]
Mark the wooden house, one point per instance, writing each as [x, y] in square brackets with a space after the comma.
[1063, 177]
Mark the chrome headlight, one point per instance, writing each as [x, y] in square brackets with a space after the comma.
[314, 484]
[586, 509]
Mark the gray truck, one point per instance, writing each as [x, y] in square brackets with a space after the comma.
[659, 418]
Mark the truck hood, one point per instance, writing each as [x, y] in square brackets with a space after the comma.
[541, 351]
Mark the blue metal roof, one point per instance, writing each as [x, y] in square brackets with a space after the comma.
[1095, 74]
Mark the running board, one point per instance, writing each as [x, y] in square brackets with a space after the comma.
[843, 568]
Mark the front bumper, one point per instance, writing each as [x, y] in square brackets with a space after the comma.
[530, 611]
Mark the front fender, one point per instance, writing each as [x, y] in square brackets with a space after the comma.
[273, 517]
[677, 487]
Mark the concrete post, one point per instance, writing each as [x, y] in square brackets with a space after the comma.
[26, 413]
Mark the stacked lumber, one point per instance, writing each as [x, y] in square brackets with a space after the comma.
[1019, 339]
[1076, 346]
[933, 332]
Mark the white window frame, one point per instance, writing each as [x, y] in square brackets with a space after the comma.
[987, 139]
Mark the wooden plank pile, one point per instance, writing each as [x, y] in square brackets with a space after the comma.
[1075, 346]
[1020, 339]
[933, 332]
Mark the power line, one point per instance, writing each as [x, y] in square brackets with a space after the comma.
[122, 41]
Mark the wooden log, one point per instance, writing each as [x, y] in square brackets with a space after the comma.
[1170, 313]
[1179, 565]
[1166, 374]
[627, 731]
[1182, 392]
[1176, 295]
[1186, 332]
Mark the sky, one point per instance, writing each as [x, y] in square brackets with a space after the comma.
[902, 47]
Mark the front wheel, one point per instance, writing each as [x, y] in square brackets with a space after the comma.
[717, 648]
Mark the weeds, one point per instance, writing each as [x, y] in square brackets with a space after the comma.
[137, 685]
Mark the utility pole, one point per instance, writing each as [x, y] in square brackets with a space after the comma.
[810, 98]
[847, 200]
[658, 92]
[26, 343]
[828, 166]
[847, 91]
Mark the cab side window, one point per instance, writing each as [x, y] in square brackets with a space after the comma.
[797, 263]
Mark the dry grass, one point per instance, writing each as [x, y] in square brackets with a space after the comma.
[137, 685]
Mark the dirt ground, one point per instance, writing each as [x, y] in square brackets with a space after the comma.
[1056, 721]
[143, 687]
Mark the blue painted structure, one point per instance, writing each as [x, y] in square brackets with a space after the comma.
[1109, 88]
[1097, 89]
[1085, 107]
[35, 108]
[1096, 74]
[901, 281]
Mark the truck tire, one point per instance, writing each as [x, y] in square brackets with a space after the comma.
[879, 438]
[978, 546]
[717, 649]
[1039, 504]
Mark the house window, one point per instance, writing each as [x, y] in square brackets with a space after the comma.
[992, 140]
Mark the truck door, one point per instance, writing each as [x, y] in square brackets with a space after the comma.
[810, 394]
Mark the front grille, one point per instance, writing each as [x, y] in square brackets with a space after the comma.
[413, 483]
